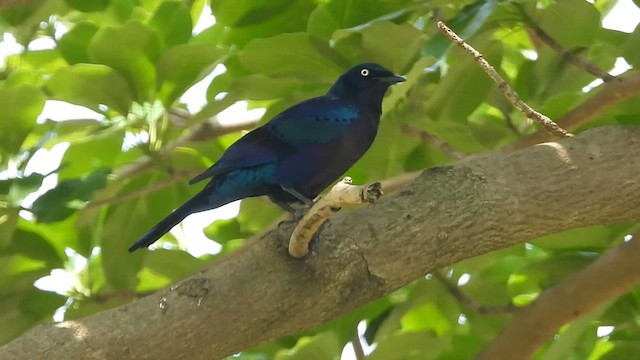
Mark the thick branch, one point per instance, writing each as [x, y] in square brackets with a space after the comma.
[612, 275]
[608, 95]
[341, 194]
[447, 214]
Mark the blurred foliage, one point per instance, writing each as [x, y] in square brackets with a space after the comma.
[130, 61]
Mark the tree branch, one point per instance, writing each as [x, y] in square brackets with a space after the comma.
[508, 92]
[447, 214]
[609, 95]
[470, 303]
[610, 276]
[431, 139]
[567, 55]
[176, 177]
[341, 194]
[203, 131]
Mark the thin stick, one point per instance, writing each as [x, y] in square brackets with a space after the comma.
[431, 139]
[341, 194]
[358, 350]
[511, 95]
[143, 191]
[567, 55]
[470, 303]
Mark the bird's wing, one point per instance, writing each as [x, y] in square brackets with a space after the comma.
[257, 147]
[315, 121]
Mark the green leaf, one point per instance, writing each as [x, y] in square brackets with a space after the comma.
[24, 77]
[62, 201]
[17, 189]
[263, 19]
[342, 14]
[21, 311]
[410, 346]
[262, 87]
[299, 56]
[632, 48]
[426, 316]
[8, 223]
[20, 109]
[466, 23]
[18, 272]
[319, 347]
[32, 245]
[88, 5]
[125, 222]
[88, 154]
[394, 46]
[41, 304]
[173, 21]
[132, 49]
[577, 30]
[182, 66]
[222, 231]
[172, 264]
[465, 85]
[588, 239]
[256, 214]
[73, 45]
[241, 13]
[90, 86]
[123, 9]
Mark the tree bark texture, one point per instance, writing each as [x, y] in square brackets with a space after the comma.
[447, 214]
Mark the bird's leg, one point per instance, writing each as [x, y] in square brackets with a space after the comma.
[283, 205]
[305, 200]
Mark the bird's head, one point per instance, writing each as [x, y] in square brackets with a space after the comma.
[364, 79]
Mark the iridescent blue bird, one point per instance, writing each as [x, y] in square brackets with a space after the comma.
[297, 154]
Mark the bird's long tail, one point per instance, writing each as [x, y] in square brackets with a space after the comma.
[195, 204]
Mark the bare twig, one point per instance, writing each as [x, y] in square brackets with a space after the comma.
[610, 276]
[431, 139]
[357, 346]
[176, 177]
[341, 194]
[530, 113]
[204, 131]
[567, 55]
[470, 303]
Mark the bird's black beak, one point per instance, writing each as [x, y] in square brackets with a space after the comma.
[392, 79]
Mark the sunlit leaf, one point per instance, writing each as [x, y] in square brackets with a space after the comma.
[173, 22]
[20, 108]
[91, 86]
[132, 50]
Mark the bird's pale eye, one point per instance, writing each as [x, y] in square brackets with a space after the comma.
[364, 72]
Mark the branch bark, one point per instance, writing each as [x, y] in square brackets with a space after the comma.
[608, 95]
[447, 214]
[612, 275]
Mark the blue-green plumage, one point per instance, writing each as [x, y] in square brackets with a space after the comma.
[298, 153]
